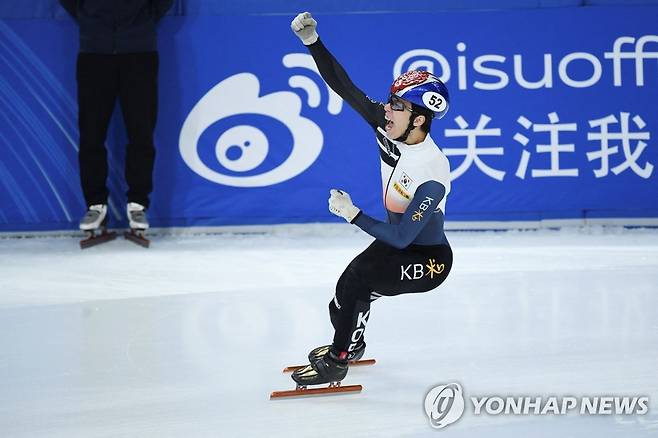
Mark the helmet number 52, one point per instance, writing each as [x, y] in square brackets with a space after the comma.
[435, 100]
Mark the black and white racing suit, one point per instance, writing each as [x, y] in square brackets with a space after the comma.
[411, 252]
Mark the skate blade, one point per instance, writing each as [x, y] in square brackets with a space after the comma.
[137, 237]
[353, 363]
[97, 240]
[316, 391]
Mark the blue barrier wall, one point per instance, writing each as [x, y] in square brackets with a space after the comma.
[49, 9]
[553, 115]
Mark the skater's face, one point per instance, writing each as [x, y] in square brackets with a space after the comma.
[397, 113]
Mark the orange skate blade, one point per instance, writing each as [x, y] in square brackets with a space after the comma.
[316, 391]
[352, 364]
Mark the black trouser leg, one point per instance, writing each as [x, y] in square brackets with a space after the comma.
[97, 78]
[382, 270]
[139, 104]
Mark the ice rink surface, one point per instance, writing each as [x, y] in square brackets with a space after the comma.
[188, 338]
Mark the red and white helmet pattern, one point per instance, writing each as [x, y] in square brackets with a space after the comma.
[408, 79]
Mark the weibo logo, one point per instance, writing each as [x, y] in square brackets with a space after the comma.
[242, 149]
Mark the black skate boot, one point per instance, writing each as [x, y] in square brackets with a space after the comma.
[330, 368]
[352, 356]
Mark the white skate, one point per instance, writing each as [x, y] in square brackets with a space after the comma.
[94, 217]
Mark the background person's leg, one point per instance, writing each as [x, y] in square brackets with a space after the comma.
[139, 105]
[97, 79]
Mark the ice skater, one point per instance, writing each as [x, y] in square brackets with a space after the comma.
[410, 253]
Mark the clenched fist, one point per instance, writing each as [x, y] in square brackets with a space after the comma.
[341, 205]
[304, 26]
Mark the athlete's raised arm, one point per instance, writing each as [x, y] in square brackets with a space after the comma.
[305, 27]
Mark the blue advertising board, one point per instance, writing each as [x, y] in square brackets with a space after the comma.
[552, 116]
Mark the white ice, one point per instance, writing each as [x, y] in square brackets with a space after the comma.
[188, 338]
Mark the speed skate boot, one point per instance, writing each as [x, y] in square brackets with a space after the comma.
[93, 223]
[94, 217]
[137, 216]
[330, 368]
[138, 224]
[352, 356]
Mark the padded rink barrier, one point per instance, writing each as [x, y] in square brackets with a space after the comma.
[551, 118]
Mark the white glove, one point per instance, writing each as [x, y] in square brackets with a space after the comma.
[341, 205]
[304, 26]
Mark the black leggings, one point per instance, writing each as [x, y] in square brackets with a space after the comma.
[382, 270]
